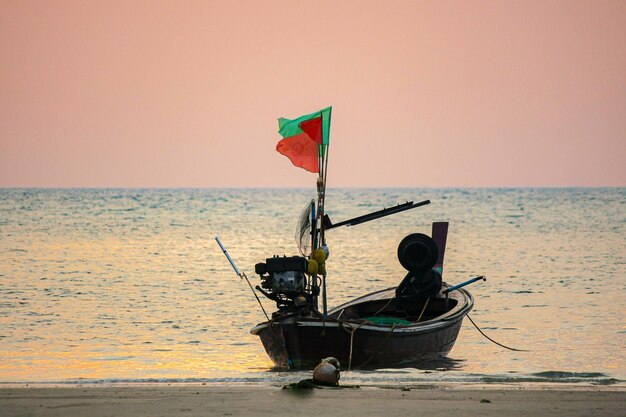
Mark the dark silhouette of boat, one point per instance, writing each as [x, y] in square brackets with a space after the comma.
[294, 341]
[417, 321]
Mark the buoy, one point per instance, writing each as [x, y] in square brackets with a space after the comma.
[326, 251]
[320, 256]
[321, 269]
[313, 267]
[327, 372]
[333, 361]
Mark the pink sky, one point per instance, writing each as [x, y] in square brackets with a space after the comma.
[424, 93]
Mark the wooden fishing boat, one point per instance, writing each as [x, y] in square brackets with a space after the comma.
[295, 341]
[418, 320]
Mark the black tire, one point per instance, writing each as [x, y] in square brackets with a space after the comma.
[418, 252]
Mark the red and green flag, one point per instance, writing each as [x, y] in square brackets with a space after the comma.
[305, 139]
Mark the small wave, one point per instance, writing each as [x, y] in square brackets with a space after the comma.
[111, 358]
[382, 378]
[562, 374]
[594, 378]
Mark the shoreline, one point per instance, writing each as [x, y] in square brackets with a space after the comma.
[456, 385]
[180, 399]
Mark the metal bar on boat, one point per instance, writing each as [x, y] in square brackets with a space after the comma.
[232, 263]
[374, 215]
[463, 284]
[241, 275]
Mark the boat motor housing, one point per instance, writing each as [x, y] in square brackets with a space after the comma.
[284, 277]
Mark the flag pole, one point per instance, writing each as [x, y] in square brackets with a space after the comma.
[321, 187]
[326, 146]
[321, 222]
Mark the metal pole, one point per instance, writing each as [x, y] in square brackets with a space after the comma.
[463, 284]
[321, 189]
[313, 226]
[232, 263]
[241, 275]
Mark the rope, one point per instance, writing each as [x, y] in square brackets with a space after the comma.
[384, 307]
[351, 331]
[380, 348]
[243, 275]
[423, 310]
[499, 344]
[354, 329]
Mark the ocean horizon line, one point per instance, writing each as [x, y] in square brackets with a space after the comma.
[530, 187]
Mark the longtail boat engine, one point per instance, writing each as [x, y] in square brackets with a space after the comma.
[284, 280]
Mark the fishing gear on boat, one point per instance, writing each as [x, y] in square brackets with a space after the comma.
[240, 274]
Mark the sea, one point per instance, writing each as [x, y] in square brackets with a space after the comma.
[105, 286]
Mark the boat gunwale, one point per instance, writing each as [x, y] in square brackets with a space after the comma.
[445, 320]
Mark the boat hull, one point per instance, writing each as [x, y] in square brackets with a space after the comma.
[296, 342]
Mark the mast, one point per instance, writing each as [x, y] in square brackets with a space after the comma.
[300, 136]
[321, 182]
[321, 195]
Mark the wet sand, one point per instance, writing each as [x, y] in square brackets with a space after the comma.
[213, 400]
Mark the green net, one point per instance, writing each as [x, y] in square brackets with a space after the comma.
[387, 320]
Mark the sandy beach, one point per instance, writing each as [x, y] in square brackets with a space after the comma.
[199, 400]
